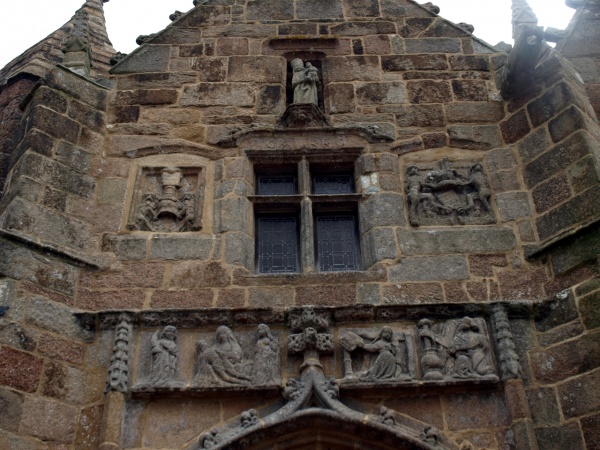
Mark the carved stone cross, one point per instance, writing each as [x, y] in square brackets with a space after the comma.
[309, 338]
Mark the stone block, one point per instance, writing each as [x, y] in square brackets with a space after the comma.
[20, 263]
[434, 140]
[559, 438]
[147, 58]
[239, 249]
[125, 247]
[189, 51]
[11, 405]
[580, 208]
[380, 93]
[87, 116]
[515, 127]
[54, 124]
[73, 157]
[362, 9]
[380, 162]
[112, 190]
[233, 214]
[351, 68]
[251, 30]
[368, 293]
[182, 299]
[155, 80]
[543, 406]
[223, 94]
[430, 268]
[56, 318]
[48, 420]
[428, 91]
[580, 395]
[338, 295]
[440, 241]
[534, 145]
[139, 274]
[433, 45]
[513, 205]
[268, 297]
[551, 192]
[486, 409]
[584, 174]
[381, 210]
[93, 300]
[474, 112]
[504, 181]
[270, 10]
[569, 121]
[378, 245]
[16, 336]
[89, 428]
[469, 90]
[556, 312]
[78, 87]
[339, 98]
[209, 69]
[19, 370]
[298, 29]
[591, 431]
[566, 360]
[315, 9]
[362, 28]
[206, 16]
[589, 307]
[55, 347]
[426, 408]
[560, 334]
[257, 69]
[417, 115]
[146, 97]
[400, 63]
[551, 102]
[482, 265]
[474, 137]
[231, 298]
[470, 62]
[232, 46]
[410, 293]
[184, 246]
[377, 44]
[522, 284]
[194, 274]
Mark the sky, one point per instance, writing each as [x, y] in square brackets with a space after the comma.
[25, 22]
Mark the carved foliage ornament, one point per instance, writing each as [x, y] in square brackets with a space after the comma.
[118, 372]
[168, 199]
[447, 195]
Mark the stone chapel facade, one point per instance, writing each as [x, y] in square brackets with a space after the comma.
[277, 224]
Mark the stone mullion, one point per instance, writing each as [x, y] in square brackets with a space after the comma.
[307, 236]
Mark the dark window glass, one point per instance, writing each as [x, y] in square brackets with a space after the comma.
[277, 246]
[337, 244]
[276, 185]
[333, 184]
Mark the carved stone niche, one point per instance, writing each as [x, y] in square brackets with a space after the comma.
[248, 358]
[377, 355]
[448, 194]
[168, 199]
[457, 349]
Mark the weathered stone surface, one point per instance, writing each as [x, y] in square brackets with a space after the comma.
[469, 62]
[428, 91]
[266, 297]
[584, 173]
[525, 285]
[125, 247]
[469, 90]
[515, 127]
[417, 115]
[231, 298]
[482, 265]
[19, 370]
[486, 410]
[400, 63]
[314, 9]
[55, 347]
[270, 100]
[513, 205]
[339, 98]
[338, 295]
[500, 159]
[551, 192]
[450, 267]
[543, 406]
[261, 69]
[378, 245]
[182, 299]
[382, 162]
[77, 87]
[239, 249]
[225, 94]
[580, 395]
[380, 93]
[474, 137]
[534, 145]
[106, 300]
[180, 247]
[351, 68]
[569, 121]
[89, 428]
[368, 293]
[549, 104]
[433, 45]
[589, 307]
[57, 318]
[560, 334]
[270, 9]
[557, 438]
[199, 274]
[54, 124]
[377, 44]
[146, 275]
[580, 208]
[591, 431]
[11, 404]
[48, 420]
[15, 335]
[148, 58]
[474, 112]
[474, 240]
[558, 311]
[408, 293]
[382, 210]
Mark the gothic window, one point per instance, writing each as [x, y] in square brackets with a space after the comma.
[306, 218]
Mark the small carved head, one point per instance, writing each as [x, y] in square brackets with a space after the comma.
[169, 332]
[424, 324]
[297, 64]
[412, 170]
[387, 334]
[477, 167]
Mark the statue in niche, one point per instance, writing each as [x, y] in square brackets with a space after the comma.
[470, 350]
[169, 202]
[163, 370]
[390, 364]
[266, 358]
[456, 349]
[224, 363]
[448, 195]
[305, 80]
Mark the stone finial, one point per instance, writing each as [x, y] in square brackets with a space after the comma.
[466, 26]
[523, 17]
[176, 16]
[431, 7]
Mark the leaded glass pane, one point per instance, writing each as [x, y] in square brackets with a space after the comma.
[277, 246]
[276, 185]
[337, 245]
[333, 184]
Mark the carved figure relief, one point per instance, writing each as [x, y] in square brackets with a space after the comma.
[163, 370]
[224, 363]
[248, 418]
[384, 356]
[305, 81]
[168, 199]
[118, 372]
[448, 195]
[456, 349]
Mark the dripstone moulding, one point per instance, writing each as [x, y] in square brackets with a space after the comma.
[448, 194]
[168, 199]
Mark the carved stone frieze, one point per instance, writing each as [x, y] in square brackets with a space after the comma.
[221, 360]
[164, 356]
[249, 418]
[448, 194]
[377, 355]
[118, 372]
[510, 367]
[168, 199]
[456, 349]
[303, 115]
[310, 337]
